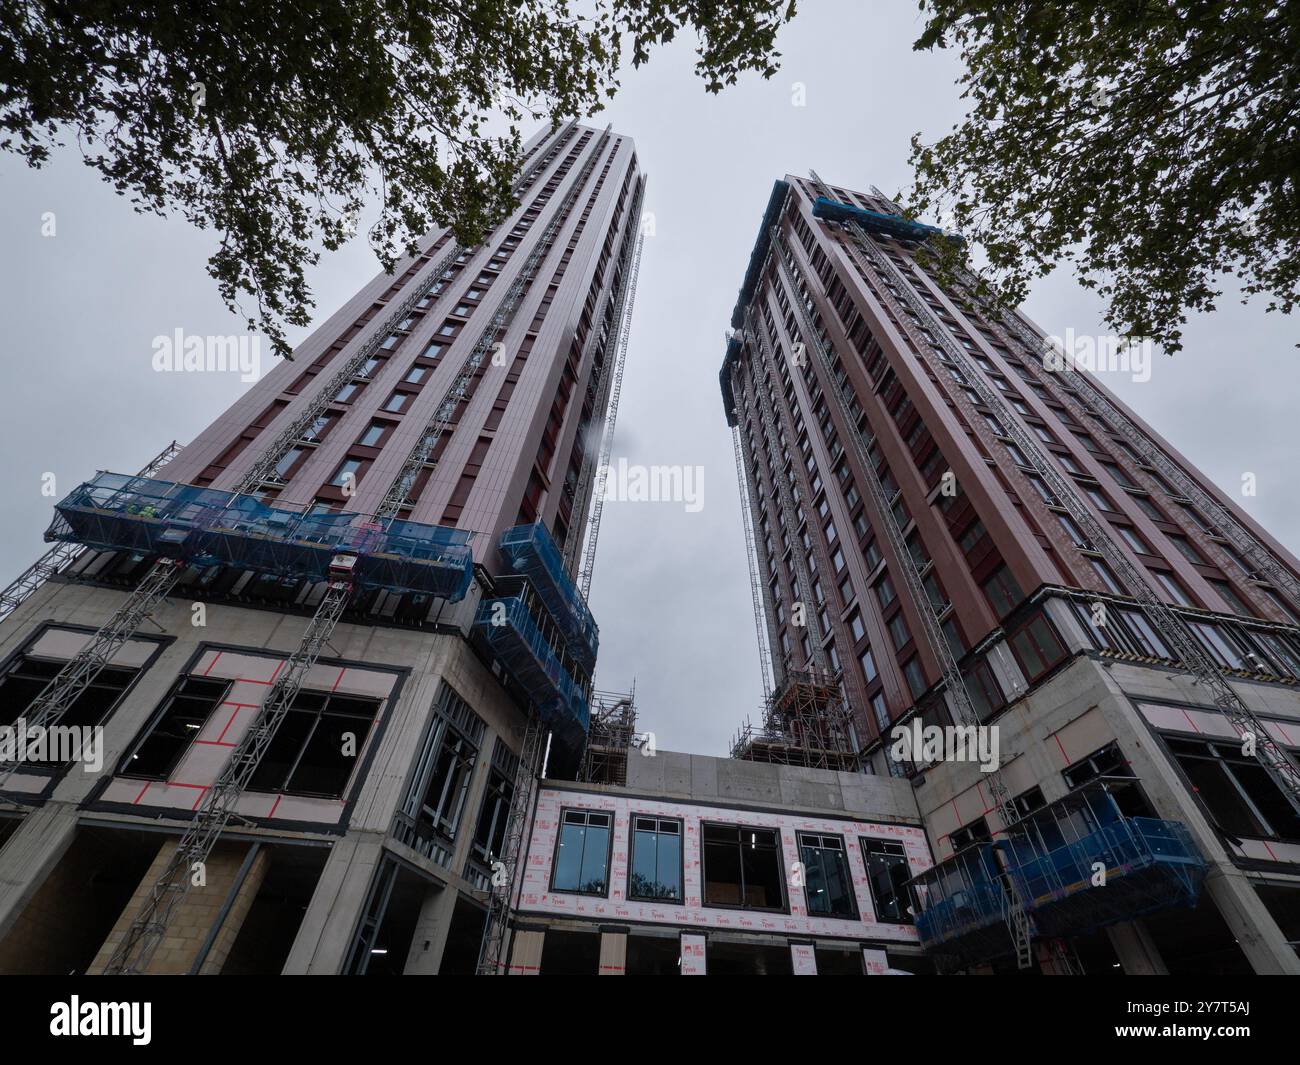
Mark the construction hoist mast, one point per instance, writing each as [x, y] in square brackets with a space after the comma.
[613, 331]
[790, 525]
[627, 299]
[757, 588]
[1166, 621]
[772, 408]
[963, 707]
[133, 954]
[504, 885]
[59, 557]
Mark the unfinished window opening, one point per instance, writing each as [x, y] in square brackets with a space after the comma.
[435, 804]
[317, 746]
[742, 867]
[464, 937]
[163, 743]
[570, 953]
[383, 939]
[27, 676]
[1238, 791]
[62, 927]
[727, 958]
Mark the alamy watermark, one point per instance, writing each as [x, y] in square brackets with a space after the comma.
[192, 353]
[628, 483]
[53, 743]
[923, 744]
[1099, 354]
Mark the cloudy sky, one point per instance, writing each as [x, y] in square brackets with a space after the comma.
[671, 588]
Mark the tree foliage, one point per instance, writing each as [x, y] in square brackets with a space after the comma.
[1152, 143]
[271, 122]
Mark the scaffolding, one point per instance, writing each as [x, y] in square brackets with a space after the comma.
[805, 723]
[610, 737]
[62, 555]
[1080, 864]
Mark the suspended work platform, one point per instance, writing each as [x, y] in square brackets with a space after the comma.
[525, 641]
[876, 222]
[532, 553]
[207, 527]
[1077, 866]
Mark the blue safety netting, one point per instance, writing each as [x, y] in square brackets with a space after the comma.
[207, 527]
[522, 650]
[532, 553]
[1149, 865]
[890, 224]
[962, 904]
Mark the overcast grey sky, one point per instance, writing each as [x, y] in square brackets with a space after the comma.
[671, 590]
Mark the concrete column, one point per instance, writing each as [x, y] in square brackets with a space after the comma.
[30, 854]
[321, 946]
[613, 954]
[1136, 949]
[1258, 935]
[430, 939]
[526, 954]
[224, 898]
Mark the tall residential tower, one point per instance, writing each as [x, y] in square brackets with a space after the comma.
[327, 642]
[949, 527]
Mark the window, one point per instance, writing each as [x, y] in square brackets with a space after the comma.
[1229, 595]
[435, 800]
[1238, 791]
[315, 749]
[1109, 762]
[1036, 647]
[1144, 634]
[1221, 648]
[27, 677]
[397, 402]
[1098, 497]
[856, 627]
[160, 748]
[1170, 584]
[828, 884]
[975, 832]
[490, 832]
[984, 690]
[1186, 549]
[869, 670]
[415, 375]
[1104, 574]
[915, 676]
[885, 591]
[287, 461]
[582, 853]
[887, 873]
[656, 871]
[897, 626]
[347, 472]
[1002, 591]
[373, 434]
[344, 394]
[1133, 539]
[742, 867]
